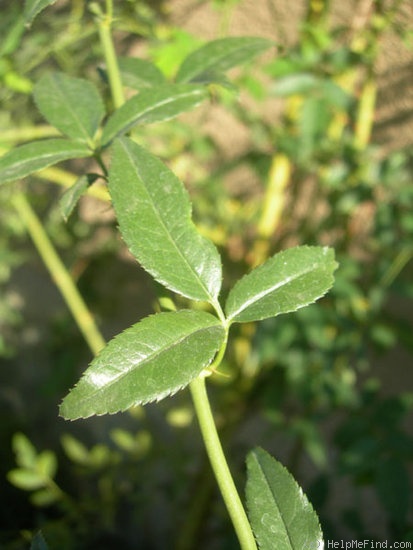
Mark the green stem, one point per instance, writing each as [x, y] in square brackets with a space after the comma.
[59, 274]
[220, 466]
[104, 23]
[28, 133]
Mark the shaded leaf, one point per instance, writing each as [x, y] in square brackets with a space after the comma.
[139, 73]
[280, 514]
[154, 215]
[45, 497]
[32, 157]
[152, 105]
[38, 542]
[71, 196]
[72, 105]
[220, 55]
[74, 449]
[152, 359]
[286, 282]
[33, 7]
[393, 487]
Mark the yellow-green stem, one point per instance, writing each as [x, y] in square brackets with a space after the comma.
[59, 274]
[104, 23]
[219, 465]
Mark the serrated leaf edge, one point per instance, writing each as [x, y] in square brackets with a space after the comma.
[257, 297]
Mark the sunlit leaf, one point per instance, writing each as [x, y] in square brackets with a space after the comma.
[286, 282]
[26, 479]
[33, 7]
[32, 157]
[73, 105]
[220, 55]
[46, 464]
[153, 105]
[154, 215]
[149, 361]
[280, 514]
[26, 454]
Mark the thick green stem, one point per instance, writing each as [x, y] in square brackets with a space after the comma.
[104, 23]
[59, 274]
[219, 465]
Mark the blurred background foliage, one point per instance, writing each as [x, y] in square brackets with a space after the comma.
[283, 154]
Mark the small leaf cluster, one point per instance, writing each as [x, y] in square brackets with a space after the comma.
[35, 472]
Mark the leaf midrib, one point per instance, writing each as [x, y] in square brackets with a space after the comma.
[71, 111]
[192, 270]
[257, 297]
[286, 530]
[148, 359]
[147, 111]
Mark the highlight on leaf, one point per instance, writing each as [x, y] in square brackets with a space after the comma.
[150, 360]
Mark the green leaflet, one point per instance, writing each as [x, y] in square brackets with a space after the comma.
[32, 157]
[33, 7]
[73, 105]
[149, 361]
[286, 282]
[71, 196]
[280, 514]
[27, 480]
[153, 105]
[220, 55]
[139, 73]
[154, 215]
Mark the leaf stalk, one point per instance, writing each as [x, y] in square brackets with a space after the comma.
[219, 465]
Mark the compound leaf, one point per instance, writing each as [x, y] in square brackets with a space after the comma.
[72, 105]
[280, 514]
[154, 215]
[286, 282]
[32, 157]
[153, 105]
[220, 55]
[152, 359]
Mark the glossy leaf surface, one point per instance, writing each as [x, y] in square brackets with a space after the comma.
[154, 215]
[32, 157]
[139, 73]
[220, 55]
[73, 105]
[153, 105]
[149, 361]
[280, 514]
[286, 282]
[34, 7]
